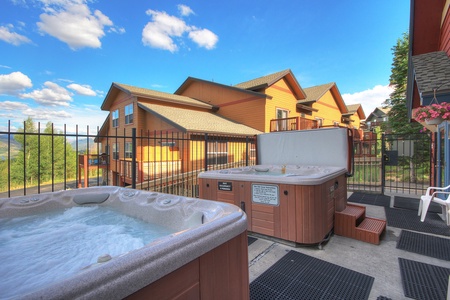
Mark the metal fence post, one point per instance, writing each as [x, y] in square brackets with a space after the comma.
[383, 166]
[133, 158]
[206, 152]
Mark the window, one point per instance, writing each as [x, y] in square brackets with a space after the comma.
[128, 150]
[115, 118]
[129, 114]
[115, 150]
[217, 152]
[282, 123]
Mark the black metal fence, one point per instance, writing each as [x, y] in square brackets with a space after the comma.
[36, 160]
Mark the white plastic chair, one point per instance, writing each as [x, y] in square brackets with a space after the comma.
[426, 199]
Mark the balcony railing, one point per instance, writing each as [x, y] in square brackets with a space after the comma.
[293, 123]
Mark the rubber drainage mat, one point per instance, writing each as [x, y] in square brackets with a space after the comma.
[423, 281]
[251, 240]
[413, 204]
[424, 244]
[408, 219]
[299, 276]
[372, 199]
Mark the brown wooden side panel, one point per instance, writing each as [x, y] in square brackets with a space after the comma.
[340, 201]
[226, 196]
[207, 188]
[245, 196]
[287, 217]
[224, 271]
[311, 209]
[180, 284]
[263, 219]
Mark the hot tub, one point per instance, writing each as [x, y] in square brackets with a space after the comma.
[196, 239]
[294, 190]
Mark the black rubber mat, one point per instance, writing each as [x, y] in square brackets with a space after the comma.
[408, 219]
[251, 240]
[299, 276]
[424, 244]
[372, 199]
[413, 204]
[423, 281]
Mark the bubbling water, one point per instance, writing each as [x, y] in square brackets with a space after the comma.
[42, 249]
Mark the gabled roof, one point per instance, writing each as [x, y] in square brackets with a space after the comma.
[314, 93]
[188, 120]
[378, 112]
[356, 108]
[432, 73]
[150, 94]
[268, 80]
[191, 80]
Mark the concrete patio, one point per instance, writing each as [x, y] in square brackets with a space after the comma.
[378, 261]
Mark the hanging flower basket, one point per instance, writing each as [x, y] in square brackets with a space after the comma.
[433, 114]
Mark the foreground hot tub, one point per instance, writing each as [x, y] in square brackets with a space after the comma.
[294, 191]
[205, 239]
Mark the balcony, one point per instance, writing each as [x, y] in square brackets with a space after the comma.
[294, 123]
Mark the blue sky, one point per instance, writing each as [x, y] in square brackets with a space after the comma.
[58, 58]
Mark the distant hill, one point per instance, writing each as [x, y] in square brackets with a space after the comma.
[82, 145]
[15, 146]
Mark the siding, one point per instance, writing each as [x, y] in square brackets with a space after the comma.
[283, 98]
[327, 109]
[235, 105]
[445, 31]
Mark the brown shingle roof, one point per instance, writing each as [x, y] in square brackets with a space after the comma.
[315, 92]
[197, 121]
[352, 108]
[263, 81]
[161, 96]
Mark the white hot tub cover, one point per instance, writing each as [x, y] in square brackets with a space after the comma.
[328, 147]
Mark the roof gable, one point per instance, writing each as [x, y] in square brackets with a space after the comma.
[188, 120]
[314, 93]
[268, 80]
[150, 94]
[191, 80]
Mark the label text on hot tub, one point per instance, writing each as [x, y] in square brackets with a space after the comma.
[265, 194]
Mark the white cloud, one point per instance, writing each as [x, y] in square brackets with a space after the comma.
[45, 115]
[12, 37]
[369, 99]
[161, 31]
[13, 105]
[84, 90]
[13, 83]
[185, 10]
[51, 95]
[204, 38]
[72, 22]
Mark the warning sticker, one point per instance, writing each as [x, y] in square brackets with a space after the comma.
[265, 194]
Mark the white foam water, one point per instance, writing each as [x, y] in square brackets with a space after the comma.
[38, 250]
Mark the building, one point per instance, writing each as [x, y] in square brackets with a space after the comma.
[275, 102]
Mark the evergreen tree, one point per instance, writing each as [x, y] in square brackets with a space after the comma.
[398, 114]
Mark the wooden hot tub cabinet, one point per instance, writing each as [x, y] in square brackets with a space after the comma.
[304, 214]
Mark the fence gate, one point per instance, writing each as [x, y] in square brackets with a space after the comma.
[393, 164]
[406, 163]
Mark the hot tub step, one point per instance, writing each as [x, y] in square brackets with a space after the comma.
[353, 223]
[370, 230]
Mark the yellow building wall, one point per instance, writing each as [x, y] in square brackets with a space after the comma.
[328, 110]
[242, 107]
[282, 98]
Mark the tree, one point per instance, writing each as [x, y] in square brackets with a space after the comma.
[398, 121]
[44, 156]
[398, 114]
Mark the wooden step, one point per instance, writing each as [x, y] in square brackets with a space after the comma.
[345, 221]
[370, 230]
[353, 210]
